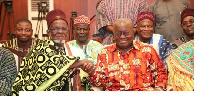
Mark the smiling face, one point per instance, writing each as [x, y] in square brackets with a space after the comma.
[188, 26]
[123, 34]
[58, 31]
[145, 29]
[24, 31]
[82, 32]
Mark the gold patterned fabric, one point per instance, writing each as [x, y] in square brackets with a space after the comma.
[181, 68]
[44, 69]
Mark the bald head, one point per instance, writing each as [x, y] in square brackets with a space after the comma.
[122, 22]
[123, 34]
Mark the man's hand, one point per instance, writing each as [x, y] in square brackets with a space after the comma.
[85, 64]
[89, 68]
[79, 63]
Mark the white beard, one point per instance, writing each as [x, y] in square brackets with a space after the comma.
[59, 41]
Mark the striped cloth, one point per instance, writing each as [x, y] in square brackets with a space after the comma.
[8, 72]
[181, 67]
[12, 45]
[108, 11]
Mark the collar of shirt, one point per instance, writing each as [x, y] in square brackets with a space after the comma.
[136, 37]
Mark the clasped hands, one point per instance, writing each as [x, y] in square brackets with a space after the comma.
[86, 65]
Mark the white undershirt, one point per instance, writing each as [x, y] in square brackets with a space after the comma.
[75, 52]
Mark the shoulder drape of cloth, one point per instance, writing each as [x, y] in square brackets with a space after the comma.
[181, 68]
[44, 69]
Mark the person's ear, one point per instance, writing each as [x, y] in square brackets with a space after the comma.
[15, 30]
[73, 29]
[136, 27]
[48, 33]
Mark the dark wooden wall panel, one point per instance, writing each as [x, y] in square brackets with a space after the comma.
[20, 10]
[82, 7]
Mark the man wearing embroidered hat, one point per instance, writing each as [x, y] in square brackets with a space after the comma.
[46, 67]
[181, 61]
[187, 23]
[90, 48]
[145, 34]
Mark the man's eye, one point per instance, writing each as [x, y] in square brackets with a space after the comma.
[126, 33]
[19, 30]
[184, 23]
[78, 28]
[56, 29]
[28, 30]
[85, 29]
[191, 21]
[64, 29]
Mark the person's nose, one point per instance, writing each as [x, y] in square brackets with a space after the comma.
[146, 28]
[60, 30]
[189, 24]
[122, 35]
[23, 31]
[82, 30]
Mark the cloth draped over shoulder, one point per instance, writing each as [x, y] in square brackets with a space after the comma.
[8, 72]
[181, 67]
[19, 53]
[44, 68]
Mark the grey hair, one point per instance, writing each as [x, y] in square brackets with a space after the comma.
[123, 21]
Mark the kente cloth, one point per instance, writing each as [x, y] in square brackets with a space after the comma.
[12, 45]
[181, 67]
[163, 46]
[108, 11]
[44, 68]
[91, 50]
[139, 69]
[8, 72]
[168, 17]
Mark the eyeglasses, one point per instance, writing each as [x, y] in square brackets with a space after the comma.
[191, 21]
[84, 29]
[56, 29]
[26, 30]
[126, 33]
